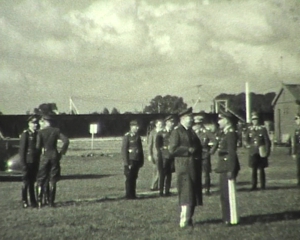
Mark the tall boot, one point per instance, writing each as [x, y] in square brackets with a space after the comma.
[262, 179]
[168, 184]
[33, 202]
[39, 193]
[52, 194]
[254, 179]
[46, 195]
[24, 196]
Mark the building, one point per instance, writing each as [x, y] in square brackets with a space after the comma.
[285, 104]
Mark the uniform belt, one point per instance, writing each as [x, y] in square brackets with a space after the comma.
[165, 147]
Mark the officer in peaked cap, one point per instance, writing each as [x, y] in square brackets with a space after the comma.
[206, 137]
[30, 160]
[133, 158]
[227, 166]
[185, 147]
[259, 145]
[49, 168]
[295, 140]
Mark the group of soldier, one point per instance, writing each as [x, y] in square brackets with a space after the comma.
[186, 149]
[40, 161]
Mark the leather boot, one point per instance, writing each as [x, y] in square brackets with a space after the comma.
[185, 217]
[46, 195]
[39, 193]
[33, 202]
[24, 196]
[52, 194]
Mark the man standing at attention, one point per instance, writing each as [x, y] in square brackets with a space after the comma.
[152, 153]
[29, 158]
[185, 147]
[133, 159]
[49, 168]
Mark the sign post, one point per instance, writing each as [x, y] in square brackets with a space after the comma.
[93, 130]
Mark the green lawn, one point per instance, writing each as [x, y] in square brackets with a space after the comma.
[90, 203]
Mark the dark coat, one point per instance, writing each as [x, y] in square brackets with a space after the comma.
[227, 146]
[187, 165]
[256, 137]
[28, 151]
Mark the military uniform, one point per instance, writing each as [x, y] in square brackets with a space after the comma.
[49, 168]
[165, 161]
[228, 167]
[259, 145]
[296, 147]
[133, 160]
[185, 147]
[29, 158]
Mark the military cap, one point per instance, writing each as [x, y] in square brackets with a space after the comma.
[226, 115]
[47, 117]
[133, 123]
[169, 118]
[186, 112]
[33, 118]
[199, 117]
[254, 116]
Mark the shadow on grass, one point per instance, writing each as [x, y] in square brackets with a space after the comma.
[17, 178]
[267, 188]
[263, 218]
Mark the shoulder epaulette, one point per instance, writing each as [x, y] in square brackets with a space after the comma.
[126, 134]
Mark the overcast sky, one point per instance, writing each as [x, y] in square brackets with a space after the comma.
[122, 53]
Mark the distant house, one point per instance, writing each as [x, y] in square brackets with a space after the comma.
[285, 104]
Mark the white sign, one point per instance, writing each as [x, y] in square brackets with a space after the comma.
[93, 128]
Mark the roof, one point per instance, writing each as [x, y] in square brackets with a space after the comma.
[294, 89]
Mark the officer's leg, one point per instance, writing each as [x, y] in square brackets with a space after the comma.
[262, 177]
[168, 179]
[31, 178]
[25, 183]
[54, 176]
[42, 175]
[254, 178]
[161, 177]
[298, 169]
[207, 181]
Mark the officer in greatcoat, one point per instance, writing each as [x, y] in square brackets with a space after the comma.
[259, 145]
[185, 147]
[29, 158]
[49, 169]
[133, 158]
[296, 146]
[165, 161]
[207, 140]
[228, 167]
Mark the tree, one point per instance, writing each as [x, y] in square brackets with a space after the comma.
[114, 111]
[46, 109]
[105, 111]
[167, 104]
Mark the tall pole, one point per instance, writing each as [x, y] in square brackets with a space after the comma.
[248, 103]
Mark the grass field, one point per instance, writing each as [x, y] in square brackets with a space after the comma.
[90, 203]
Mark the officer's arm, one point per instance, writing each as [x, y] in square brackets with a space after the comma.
[231, 149]
[124, 150]
[175, 149]
[22, 148]
[140, 146]
[66, 143]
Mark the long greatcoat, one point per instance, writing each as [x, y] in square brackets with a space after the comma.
[187, 165]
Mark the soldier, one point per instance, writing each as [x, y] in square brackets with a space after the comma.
[29, 158]
[258, 143]
[207, 138]
[185, 147]
[152, 153]
[228, 167]
[49, 168]
[296, 147]
[133, 159]
[165, 161]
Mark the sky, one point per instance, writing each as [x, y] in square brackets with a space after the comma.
[123, 53]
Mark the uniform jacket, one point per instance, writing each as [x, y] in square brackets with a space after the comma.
[227, 146]
[47, 142]
[296, 142]
[206, 137]
[28, 151]
[132, 149]
[187, 168]
[162, 143]
[256, 137]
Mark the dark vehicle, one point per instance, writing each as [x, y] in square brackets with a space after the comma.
[9, 156]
